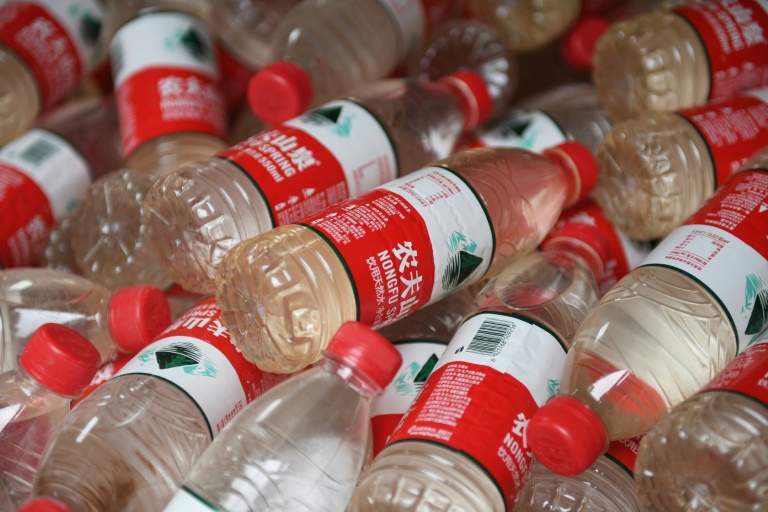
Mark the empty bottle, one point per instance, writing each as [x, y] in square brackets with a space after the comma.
[121, 322]
[656, 170]
[46, 47]
[46, 171]
[371, 258]
[421, 339]
[709, 452]
[665, 329]
[54, 368]
[682, 58]
[607, 486]
[166, 83]
[195, 215]
[152, 420]
[322, 48]
[301, 446]
[462, 444]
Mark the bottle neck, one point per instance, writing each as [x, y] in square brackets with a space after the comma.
[570, 173]
[354, 379]
[579, 251]
[31, 387]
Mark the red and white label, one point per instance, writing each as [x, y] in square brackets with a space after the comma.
[307, 164]
[532, 130]
[409, 243]
[733, 129]
[724, 247]
[58, 39]
[747, 374]
[624, 453]
[419, 359]
[415, 18]
[166, 79]
[734, 34]
[496, 372]
[42, 178]
[197, 354]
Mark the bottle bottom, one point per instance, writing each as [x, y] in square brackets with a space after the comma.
[19, 97]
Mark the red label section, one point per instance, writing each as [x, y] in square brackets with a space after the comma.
[747, 374]
[733, 129]
[44, 45]
[386, 247]
[25, 226]
[296, 174]
[733, 33]
[161, 101]
[382, 427]
[478, 411]
[234, 78]
[624, 452]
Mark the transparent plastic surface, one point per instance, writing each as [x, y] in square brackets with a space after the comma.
[30, 415]
[651, 63]
[244, 126]
[32, 297]
[20, 101]
[709, 453]
[655, 171]
[604, 487]
[284, 293]
[195, 215]
[436, 322]
[127, 446]
[299, 447]
[57, 254]
[527, 24]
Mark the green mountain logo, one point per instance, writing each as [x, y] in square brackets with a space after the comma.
[520, 129]
[195, 44]
[462, 262]
[330, 116]
[184, 355]
[553, 387]
[90, 29]
[411, 381]
[756, 300]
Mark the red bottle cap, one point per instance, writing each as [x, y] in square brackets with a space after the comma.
[367, 351]
[579, 44]
[280, 91]
[579, 159]
[137, 314]
[566, 436]
[44, 505]
[60, 359]
[472, 91]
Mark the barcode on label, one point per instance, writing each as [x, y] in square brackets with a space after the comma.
[490, 336]
[38, 152]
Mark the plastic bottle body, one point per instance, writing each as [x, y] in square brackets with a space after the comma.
[19, 97]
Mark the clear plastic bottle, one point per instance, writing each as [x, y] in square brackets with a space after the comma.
[475, 208]
[665, 329]
[323, 48]
[675, 59]
[58, 254]
[461, 446]
[344, 148]
[121, 322]
[709, 452]
[46, 47]
[607, 486]
[656, 170]
[166, 83]
[54, 368]
[129, 444]
[301, 446]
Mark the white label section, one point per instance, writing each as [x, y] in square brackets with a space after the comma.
[455, 220]
[730, 268]
[410, 22]
[761, 94]
[162, 40]
[75, 16]
[185, 501]
[513, 346]
[419, 359]
[196, 367]
[635, 251]
[60, 171]
[532, 130]
[357, 140]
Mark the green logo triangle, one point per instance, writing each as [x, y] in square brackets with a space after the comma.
[426, 370]
[194, 44]
[517, 127]
[325, 115]
[90, 29]
[757, 319]
[178, 354]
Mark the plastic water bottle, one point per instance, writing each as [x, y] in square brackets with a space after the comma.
[386, 253]
[128, 445]
[166, 83]
[462, 444]
[421, 339]
[121, 322]
[46, 47]
[709, 452]
[665, 329]
[195, 215]
[606, 486]
[46, 171]
[656, 170]
[54, 368]
[301, 446]
[682, 58]
[323, 48]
